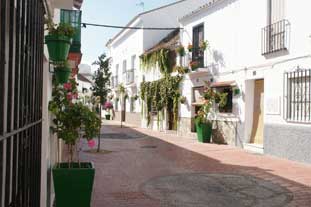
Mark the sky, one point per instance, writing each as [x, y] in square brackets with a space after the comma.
[114, 12]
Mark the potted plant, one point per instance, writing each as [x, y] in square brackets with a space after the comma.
[190, 47]
[72, 121]
[62, 72]
[135, 97]
[203, 45]
[182, 99]
[194, 65]
[58, 40]
[180, 51]
[202, 122]
[108, 106]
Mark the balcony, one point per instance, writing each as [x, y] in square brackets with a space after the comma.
[73, 17]
[275, 37]
[130, 75]
[114, 81]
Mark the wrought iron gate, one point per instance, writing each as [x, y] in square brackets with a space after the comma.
[21, 64]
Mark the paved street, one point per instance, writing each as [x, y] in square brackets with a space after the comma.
[143, 168]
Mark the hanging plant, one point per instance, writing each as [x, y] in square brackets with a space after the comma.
[62, 72]
[181, 70]
[180, 51]
[160, 94]
[194, 65]
[203, 45]
[182, 99]
[163, 58]
[190, 47]
[135, 97]
[58, 40]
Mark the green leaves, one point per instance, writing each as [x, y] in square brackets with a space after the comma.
[160, 94]
[102, 78]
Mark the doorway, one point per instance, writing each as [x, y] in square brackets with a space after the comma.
[258, 114]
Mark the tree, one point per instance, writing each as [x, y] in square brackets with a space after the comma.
[101, 84]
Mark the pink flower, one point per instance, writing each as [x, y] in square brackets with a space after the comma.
[91, 143]
[69, 96]
[67, 86]
[75, 95]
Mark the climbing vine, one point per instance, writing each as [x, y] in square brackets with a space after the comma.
[161, 94]
[164, 58]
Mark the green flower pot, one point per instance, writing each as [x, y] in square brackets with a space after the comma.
[62, 74]
[204, 132]
[73, 186]
[58, 47]
[107, 116]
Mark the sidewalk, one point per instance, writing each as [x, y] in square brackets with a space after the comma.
[134, 163]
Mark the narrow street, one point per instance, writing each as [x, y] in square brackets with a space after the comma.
[143, 168]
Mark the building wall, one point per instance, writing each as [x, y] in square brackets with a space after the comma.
[235, 54]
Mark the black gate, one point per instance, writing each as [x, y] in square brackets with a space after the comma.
[21, 64]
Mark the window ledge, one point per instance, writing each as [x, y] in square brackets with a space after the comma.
[225, 117]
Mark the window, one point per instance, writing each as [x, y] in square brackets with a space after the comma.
[228, 107]
[117, 70]
[198, 37]
[298, 96]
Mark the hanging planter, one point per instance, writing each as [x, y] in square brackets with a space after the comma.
[62, 72]
[58, 40]
[58, 47]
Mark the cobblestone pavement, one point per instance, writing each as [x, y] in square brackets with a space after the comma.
[152, 169]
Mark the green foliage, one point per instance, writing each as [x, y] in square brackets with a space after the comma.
[181, 51]
[164, 58]
[181, 70]
[71, 117]
[210, 96]
[61, 29]
[102, 78]
[160, 94]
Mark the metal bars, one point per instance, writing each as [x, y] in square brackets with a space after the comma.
[297, 92]
[21, 65]
[275, 37]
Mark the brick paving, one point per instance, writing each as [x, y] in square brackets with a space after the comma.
[122, 175]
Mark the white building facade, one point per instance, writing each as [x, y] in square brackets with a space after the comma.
[262, 48]
[128, 45]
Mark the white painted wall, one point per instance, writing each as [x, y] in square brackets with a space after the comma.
[233, 29]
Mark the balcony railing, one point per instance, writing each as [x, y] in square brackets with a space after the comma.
[114, 81]
[198, 55]
[275, 37]
[130, 75]
[73, 17]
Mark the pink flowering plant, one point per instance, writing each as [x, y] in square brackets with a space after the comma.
[72, 119]
[108, 105]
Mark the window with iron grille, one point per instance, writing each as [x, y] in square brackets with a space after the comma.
[198, 37]
[297, 92]
[132, 104]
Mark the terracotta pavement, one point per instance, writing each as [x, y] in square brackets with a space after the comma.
[134, 157]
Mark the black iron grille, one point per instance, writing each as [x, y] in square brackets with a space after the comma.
[298, 96]
[21, 64]
[275, 37]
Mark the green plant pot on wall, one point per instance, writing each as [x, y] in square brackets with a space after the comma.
[204, 132]
[58, 47]
[73, 186]
[62, 74]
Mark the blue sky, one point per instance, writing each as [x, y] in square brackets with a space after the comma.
[115, 12]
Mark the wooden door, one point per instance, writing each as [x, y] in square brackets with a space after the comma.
[258, 116]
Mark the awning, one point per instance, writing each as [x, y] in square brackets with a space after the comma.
[223, 84]
[77, 4]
